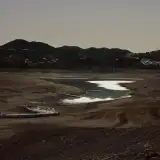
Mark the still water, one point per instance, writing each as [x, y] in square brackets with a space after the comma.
[96, 90]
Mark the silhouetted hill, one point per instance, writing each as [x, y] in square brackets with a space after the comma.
[23, 54]
[19, 44]
[155, 55]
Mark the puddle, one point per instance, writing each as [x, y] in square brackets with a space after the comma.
[98, 91]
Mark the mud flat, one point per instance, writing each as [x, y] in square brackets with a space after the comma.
[99, 130]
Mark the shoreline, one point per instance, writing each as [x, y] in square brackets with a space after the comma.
[118, 85]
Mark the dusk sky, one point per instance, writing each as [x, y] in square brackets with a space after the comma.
[127, 24]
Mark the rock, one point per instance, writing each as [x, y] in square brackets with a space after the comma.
[44, 141]
[122, 118]
[145, 86]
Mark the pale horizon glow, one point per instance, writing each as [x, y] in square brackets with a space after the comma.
[125, 24]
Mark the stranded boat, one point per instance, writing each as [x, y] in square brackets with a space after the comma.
[24, 115]
[36, 112]
[40, 109]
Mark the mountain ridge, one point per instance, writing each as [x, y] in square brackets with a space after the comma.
[24, 54]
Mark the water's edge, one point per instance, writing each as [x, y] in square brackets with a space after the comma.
[114, 85]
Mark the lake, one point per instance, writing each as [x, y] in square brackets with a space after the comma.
[95, 90]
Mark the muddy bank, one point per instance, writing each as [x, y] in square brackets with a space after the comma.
[20, 88]
[17, 90]
[52, 142]
[140, 110]
[84, 131]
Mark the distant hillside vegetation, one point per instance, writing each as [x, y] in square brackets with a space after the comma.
[23, 54]
[19, 44]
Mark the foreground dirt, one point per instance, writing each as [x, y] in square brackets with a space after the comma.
[51, 142]
[94, 131]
